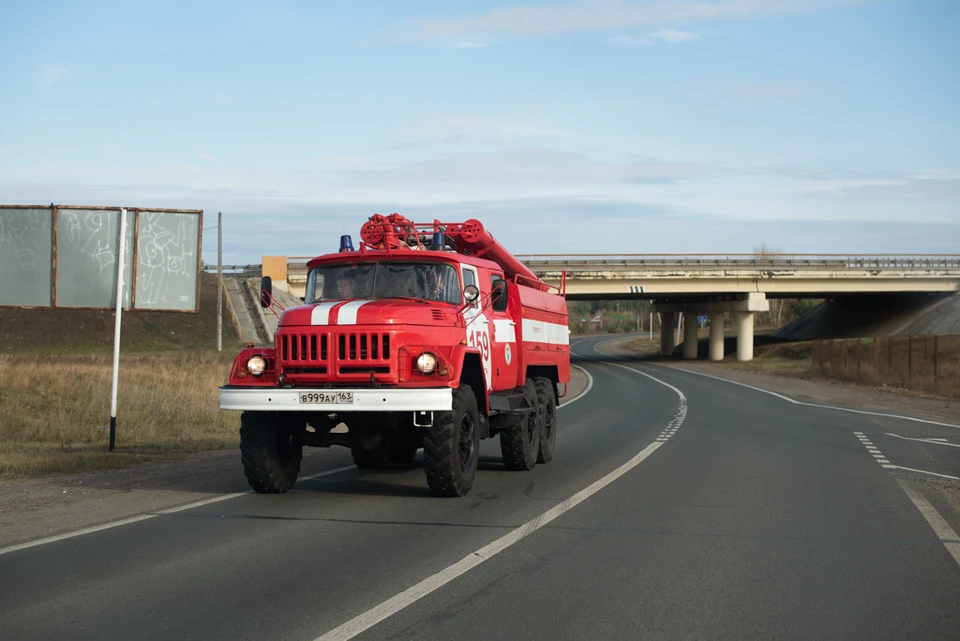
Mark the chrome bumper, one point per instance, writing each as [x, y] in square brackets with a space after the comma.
[364, 400]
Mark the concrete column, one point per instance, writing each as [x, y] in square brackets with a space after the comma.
[667, 322]
[690, 335]
[744, 336]
[716, 336]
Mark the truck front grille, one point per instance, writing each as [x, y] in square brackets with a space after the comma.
[355, 346]
[303, 348]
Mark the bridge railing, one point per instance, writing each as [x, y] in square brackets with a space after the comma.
[739, 261]
[297, 265]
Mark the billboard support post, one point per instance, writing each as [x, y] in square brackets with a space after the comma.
[121, 263]
[219, 281]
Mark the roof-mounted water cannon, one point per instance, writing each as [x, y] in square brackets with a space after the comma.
[395, 232]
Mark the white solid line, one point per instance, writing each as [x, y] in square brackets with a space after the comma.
[215, 499]
[826, 407]
[931, 441]
[940, 527]
[944, 476]
[581, 394]
[391, 606]
[145, 517]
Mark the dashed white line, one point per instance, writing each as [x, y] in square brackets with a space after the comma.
[874, 451]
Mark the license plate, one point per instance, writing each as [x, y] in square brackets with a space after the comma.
[326, 398]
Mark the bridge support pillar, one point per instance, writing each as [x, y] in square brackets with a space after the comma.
[744, 336]
[668, 324]
[690, 335]
[716, 336]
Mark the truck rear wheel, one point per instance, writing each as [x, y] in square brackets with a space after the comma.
[271, 451]
[451, 446]
[547, 403]
[520, 443]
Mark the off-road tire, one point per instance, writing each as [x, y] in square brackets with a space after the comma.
[270, 450]
[547, 405]
[520, 443]
[451, 461]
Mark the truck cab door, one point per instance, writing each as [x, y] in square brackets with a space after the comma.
[478, 325]
[505, 354]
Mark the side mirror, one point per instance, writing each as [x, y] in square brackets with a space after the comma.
[266, 291]
[471, 293]
[499, 295]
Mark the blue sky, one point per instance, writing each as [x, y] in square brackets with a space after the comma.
[578, 126]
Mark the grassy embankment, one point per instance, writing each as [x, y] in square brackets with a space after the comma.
[55, 399]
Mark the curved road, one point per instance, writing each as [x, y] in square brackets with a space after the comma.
[678, 506]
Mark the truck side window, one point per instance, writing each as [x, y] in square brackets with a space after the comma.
[469, 278]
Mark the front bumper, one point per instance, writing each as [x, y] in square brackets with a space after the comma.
[364, 400]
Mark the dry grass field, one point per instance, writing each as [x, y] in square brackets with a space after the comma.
[55, 410]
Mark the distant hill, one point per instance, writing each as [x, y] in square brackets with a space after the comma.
[72, 331]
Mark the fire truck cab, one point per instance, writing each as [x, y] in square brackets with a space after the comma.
[429, 335]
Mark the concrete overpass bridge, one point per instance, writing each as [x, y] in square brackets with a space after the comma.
[714, 284]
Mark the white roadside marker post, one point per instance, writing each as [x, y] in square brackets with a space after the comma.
[121, 263]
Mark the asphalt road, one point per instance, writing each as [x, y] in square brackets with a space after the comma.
[720, 512]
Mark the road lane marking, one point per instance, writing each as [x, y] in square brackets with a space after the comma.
[940, 527]
[944, 476]
[796, 402]
[931, 441]
[151, 515]
[874, 451]
[681, 414]
[581, 394]
[214, 499]
[411, 595]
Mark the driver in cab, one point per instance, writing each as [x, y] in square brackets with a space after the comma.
[345, 286]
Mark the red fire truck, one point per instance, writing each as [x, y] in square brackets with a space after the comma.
[427, 335]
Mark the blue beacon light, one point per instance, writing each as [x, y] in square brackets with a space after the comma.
[346, 243]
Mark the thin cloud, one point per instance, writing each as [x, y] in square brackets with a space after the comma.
[582, 15]
[628, 41]
[470, 44]
[49, 75]
[674, 35]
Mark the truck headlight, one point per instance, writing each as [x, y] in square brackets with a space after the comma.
[427, 363]
[256, 365]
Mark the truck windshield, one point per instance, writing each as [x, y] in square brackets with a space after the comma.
[394, 279]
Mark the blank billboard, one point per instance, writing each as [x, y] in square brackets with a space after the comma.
[26, 269]
[66, 256]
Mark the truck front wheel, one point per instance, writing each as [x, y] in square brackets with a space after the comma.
[271, 451]
[451, 446]
[548, 408]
